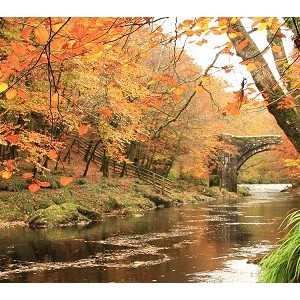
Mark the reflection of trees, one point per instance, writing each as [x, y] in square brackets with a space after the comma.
[202, 247]
[228, 229]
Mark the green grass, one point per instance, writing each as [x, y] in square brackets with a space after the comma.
[283, 264]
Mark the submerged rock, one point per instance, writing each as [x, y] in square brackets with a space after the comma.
[64, 214]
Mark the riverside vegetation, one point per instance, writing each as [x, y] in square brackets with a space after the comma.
[86, 200]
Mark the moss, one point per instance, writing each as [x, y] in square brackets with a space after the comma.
[14, 184]
[111, 204]
[64, 214]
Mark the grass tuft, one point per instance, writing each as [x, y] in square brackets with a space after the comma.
[282, 265]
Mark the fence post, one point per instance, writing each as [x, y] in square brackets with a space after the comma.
[153, 175]
[163, 185]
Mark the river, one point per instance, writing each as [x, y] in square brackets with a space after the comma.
[209, 242]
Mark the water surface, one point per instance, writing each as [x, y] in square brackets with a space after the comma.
[209, 242]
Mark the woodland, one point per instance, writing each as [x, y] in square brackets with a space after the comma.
[129, 86]
[129, 91]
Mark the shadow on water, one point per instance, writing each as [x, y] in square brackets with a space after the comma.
[210, 242]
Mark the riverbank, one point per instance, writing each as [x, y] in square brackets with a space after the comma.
[86, 200]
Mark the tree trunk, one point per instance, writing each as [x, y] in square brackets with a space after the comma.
[288, 119]
[105, 164]
[90, 159]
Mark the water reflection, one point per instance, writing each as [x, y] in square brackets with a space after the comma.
[210, 242]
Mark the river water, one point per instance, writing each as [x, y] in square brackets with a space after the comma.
[208, 242]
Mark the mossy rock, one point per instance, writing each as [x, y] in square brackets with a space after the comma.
[64, 214]
[159, 200]
[243, 190]
[216, 192]
[200, 198]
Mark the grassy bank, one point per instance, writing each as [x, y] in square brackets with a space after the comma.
[91, 199]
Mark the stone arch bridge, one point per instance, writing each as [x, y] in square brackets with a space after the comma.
[225, 168]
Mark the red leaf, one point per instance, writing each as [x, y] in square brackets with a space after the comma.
[14, 139]
[34, 187]
[106, 112]
[242, 45]
[23, 94]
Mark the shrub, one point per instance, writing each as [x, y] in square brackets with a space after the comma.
[282, 265]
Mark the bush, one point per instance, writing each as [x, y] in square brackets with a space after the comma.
[283, 264]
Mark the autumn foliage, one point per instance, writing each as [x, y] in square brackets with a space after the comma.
[125, 83]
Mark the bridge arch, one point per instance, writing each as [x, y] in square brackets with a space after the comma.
[224, 172]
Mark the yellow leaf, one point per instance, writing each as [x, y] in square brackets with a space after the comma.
[3, 86]
[251, 67]
[232, 35]
[11, 94]
[6, 174]
[234, 20]
[262, 26]
[56, 27]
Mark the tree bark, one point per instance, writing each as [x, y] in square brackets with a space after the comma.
[288, 119]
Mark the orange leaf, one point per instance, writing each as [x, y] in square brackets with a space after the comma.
[242, 45]
[14, 139]
[27, 175]
[65, 180]
[34, 188]
[26, 33]
[10, 94]
[55, 100]
[199, 89]
[83, 129]
[45, 184]
[9, 162]
[6, 174]
[275, 87]
[176, 97]
[41, 35]
[23, 94]
[52, 154]
[276, 49]
[106, 112]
